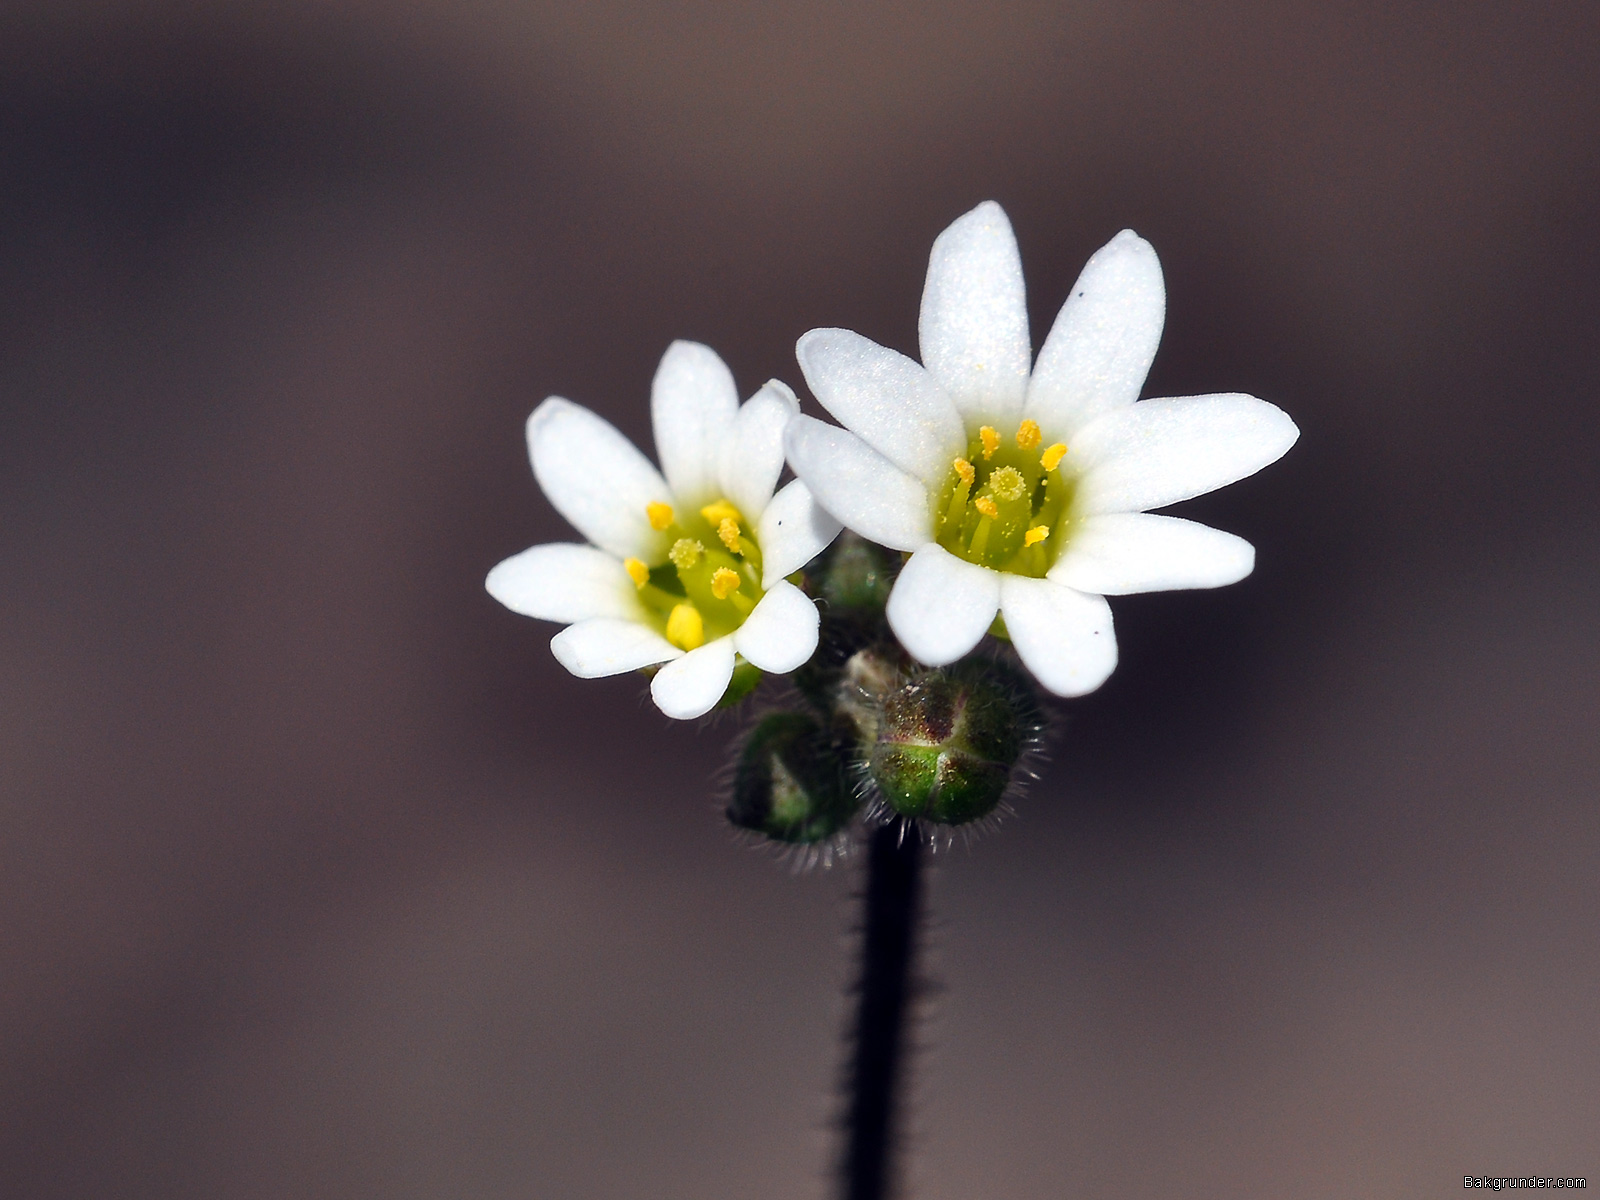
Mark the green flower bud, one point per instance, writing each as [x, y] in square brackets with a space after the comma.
[948, 740]
[856, 575]
[791, 782]
[851, 581]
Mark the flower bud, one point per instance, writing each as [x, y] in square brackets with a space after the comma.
[851, 580]
[854, 574]
[948, 740]
[791, 782]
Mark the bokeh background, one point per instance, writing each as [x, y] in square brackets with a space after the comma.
[318, 877]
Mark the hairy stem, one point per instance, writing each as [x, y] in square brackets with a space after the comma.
[888, 946]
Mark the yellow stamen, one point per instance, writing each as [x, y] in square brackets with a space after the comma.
[728, 531]
[991, 441]
[659, 514]
[1007, 484]
[1036, 535]
[685, 629]
[1028, 435]
[987, 507]
[637, 571]
[685, 553]
[718, 512]
[1051, 458]
[966, 471]
[724, 583]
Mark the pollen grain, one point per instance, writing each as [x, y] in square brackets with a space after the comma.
[724, 583]
[728, 531]
[987, 507]
[637, 571]
[1051, 458]
[1036, 535]
[659, 514]
[991, 441]
[1028, 435]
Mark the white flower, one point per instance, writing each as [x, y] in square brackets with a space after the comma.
[687, 570]
[1025, 491]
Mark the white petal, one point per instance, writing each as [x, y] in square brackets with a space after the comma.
[794, 529]
[607, 646]
[781, 633]
[692, 407]
[752, 458]
[1064, 637]
[974, 324]
[596, 478]
[1103, 341]
[690, 687]
[566, 583]
[1119, 554]
[941, 606]
[886, 399]
[860, 487]
[1159, 452]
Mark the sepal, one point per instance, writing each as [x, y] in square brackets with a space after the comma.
[791, 783]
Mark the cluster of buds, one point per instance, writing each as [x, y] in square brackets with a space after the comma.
[880, 736]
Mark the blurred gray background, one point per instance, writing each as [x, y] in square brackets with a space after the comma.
[320, 878]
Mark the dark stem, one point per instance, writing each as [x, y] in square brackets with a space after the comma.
[888, 946]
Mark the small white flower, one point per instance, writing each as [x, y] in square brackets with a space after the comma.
[1025, 491]
[686, 570]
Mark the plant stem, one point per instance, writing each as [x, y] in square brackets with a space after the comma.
[888, 946]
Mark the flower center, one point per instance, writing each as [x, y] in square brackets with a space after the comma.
[1003, 505]
[711, 580]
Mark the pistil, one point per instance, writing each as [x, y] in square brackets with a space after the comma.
[1003, 500]
[711, 580]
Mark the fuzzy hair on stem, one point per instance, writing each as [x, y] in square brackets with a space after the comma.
[895, 861]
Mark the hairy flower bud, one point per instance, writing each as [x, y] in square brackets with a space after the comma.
[851, 581]
[790, 783]
[855, 575]
[948, 741]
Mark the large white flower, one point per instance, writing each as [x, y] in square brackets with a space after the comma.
[1018, 490]
[686, 570]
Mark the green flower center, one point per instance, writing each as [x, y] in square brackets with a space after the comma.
[711, 580]
[1005, 505]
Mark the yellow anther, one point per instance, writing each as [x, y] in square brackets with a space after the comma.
[966, 470]
[724, 583]
[685, 553]
[659, 514]
[685, 629]
[718, 512]
[1007, 484]
[637, 571]
[1051, 458]
[728, 531]
[1036, 535]
[987, 507]
[991, 441]
[1028, 435]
